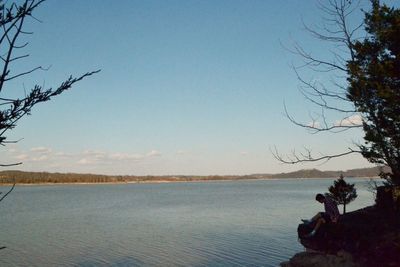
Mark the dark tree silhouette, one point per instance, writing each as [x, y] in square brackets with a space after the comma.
[374, 87]
[342, 192]
[365, 84]
[13, 17]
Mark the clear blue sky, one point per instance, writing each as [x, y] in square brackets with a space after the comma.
[186, 87]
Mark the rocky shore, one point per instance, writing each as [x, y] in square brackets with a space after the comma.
[366, 237]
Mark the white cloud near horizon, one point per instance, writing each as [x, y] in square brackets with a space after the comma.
[85, 161]
[154, 153]
[354, 120]
[63, 154]
[41, 150]
[40, 158]
[22, 157]
[96, 153]
[125, 156]
[97, 157]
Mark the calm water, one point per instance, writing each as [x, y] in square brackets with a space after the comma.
[242, 223]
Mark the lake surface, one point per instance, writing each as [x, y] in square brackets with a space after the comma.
[230, 223]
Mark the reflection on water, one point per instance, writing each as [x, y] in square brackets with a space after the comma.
[242, 223]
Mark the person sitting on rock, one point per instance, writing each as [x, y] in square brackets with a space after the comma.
[331, 214]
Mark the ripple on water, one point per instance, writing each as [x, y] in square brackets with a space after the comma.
[247, 223]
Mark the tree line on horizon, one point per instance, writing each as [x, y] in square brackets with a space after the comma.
[22, 177]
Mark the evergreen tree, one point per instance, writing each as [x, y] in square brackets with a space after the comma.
[342, 192]
[374, 87]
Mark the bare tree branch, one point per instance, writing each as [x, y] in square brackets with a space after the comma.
[19, 57]
[12, 142]
[11, 164]
[23, 107]
[9, 53]
[316, 64]
[24, 73]
[331, 97]
[8, 192]
[314, 125]
[307, 156]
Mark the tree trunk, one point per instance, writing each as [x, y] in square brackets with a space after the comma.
[344, 208]
[384, 197]
[396, 176]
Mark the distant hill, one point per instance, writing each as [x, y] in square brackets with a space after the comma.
[314, 173]
[307, 173]
[7, 177]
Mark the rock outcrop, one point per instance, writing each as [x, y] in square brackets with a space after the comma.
[317, 259]
[366, 237]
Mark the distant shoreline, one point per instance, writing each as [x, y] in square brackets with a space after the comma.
[46, 178]
[174, 181]
[153, 182]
